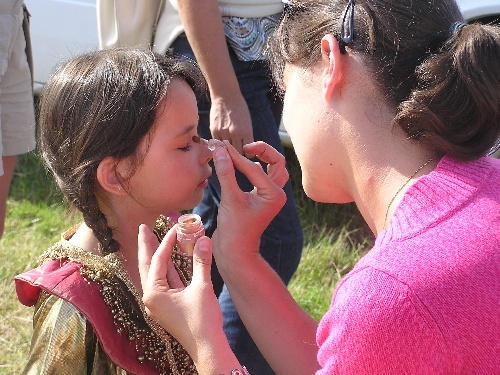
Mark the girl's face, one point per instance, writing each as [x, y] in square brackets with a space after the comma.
[174, 169]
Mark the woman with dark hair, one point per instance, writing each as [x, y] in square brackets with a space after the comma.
[392, 104]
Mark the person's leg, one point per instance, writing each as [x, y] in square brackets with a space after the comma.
[9, 163]
[17, 115]
[282, 241]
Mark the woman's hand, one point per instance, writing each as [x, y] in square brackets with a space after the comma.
[243, 216]
[191, 314]
[276, 163]
[283, 332]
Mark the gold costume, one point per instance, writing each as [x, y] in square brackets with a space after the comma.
[89, 316]
[64, 342]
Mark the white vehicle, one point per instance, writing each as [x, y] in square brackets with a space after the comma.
[63, 28]
[60, 29]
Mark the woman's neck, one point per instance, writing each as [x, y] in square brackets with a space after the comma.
[384, 173]
[379, 158]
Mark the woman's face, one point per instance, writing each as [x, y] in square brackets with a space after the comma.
[173, 173]
[310, 121]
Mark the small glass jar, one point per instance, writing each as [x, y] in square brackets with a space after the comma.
[189, 230]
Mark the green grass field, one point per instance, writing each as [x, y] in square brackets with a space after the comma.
[335, 238]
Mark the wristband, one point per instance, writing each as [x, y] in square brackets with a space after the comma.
[243, 371]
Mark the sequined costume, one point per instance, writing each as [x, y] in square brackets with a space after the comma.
[90, 319]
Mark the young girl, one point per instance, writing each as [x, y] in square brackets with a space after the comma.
[116, 130]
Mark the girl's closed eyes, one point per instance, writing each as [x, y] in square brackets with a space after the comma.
[186, 148]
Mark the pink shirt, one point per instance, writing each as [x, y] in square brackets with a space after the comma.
[426, 298]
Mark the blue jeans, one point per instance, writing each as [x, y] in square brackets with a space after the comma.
[281, 243]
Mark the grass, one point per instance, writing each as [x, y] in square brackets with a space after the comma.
[35, 219]
[335, 238]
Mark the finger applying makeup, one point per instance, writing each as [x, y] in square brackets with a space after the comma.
[211, 143]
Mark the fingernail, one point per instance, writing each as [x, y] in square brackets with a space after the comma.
[143, 228]
[214, 143]
[203, 245]
[220, 154]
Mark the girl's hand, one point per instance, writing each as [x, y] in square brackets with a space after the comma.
[243, 216]
[191, 314]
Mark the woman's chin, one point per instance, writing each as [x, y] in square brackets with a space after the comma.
[325, 197]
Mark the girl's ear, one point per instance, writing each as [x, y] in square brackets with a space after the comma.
[107, 175]
[332, 69]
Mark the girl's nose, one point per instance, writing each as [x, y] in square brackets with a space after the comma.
[208, 152]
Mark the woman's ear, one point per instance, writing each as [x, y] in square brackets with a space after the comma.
[331, 65]
[107, 175]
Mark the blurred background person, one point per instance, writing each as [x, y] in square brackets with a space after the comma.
[17, 113]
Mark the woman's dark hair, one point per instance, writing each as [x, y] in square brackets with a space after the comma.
[102, 104]
[445, 83]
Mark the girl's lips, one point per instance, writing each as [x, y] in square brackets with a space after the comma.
[203, 184]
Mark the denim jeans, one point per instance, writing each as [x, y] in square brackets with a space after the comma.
[281, 243]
